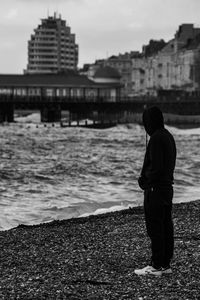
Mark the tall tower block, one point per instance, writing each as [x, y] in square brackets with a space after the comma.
[52, 48]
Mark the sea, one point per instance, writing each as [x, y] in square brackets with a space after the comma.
[48, 172]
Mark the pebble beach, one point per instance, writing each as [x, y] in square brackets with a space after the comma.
[95, 257]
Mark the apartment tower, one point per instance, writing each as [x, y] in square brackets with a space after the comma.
[52, 47]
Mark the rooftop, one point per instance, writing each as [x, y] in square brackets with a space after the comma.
[69, 79]
[107, 72]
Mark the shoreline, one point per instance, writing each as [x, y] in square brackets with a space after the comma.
[97, 212]
[94, 257]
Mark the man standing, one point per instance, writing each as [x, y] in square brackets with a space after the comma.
[156, 180]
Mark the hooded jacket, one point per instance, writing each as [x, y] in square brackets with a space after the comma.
[160, 156]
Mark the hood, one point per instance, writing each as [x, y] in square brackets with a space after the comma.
[152, 119]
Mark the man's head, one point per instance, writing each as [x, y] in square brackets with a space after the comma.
[152, 119]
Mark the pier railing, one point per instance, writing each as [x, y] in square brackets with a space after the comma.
[51, 107]
[95, 99]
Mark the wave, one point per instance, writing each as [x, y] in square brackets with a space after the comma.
[32, 118]
[106, 210]
[54, 173]
[186, 132]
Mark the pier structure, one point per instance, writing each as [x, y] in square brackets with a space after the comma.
[52, 93]
[82, 98]
[98, 109]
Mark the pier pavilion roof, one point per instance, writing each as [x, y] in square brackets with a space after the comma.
[45, 79]
[50, 80]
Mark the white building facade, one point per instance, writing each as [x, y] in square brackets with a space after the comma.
[175, 67]
[52, 48]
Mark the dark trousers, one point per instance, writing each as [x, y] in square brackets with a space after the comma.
[159, 224]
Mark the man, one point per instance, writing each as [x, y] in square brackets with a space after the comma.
[156, 180]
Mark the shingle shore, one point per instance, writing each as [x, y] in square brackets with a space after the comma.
[95, 258]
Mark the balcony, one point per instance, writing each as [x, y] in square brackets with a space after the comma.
[36, 47]
[41, 60]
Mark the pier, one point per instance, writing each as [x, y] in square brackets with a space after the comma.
[84, 99]
[99, 109]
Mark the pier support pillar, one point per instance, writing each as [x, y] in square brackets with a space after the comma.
[51, 114]
[6, 113]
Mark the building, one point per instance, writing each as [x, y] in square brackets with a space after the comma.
[184, 34]
[109, 76]
[122, 63]
[153, 47]
[173, 66]
[52, 48]
[138, 77]
[68, 86]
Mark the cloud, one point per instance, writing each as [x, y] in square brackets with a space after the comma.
[11, 14]
[49, 1]
[101, 26]
[7, 45]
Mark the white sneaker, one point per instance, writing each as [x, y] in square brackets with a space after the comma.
[148, 270]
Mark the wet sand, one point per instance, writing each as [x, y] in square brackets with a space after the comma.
[95, 258]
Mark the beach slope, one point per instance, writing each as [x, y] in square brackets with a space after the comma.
[95, 258]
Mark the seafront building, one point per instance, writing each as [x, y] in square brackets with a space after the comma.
[52, 48]
[174, 67]
[161, 66]
[70, 85]
[123, 65]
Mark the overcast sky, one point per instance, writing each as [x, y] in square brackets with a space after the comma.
[102, 27]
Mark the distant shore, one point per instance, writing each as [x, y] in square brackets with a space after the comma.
[95, 258]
